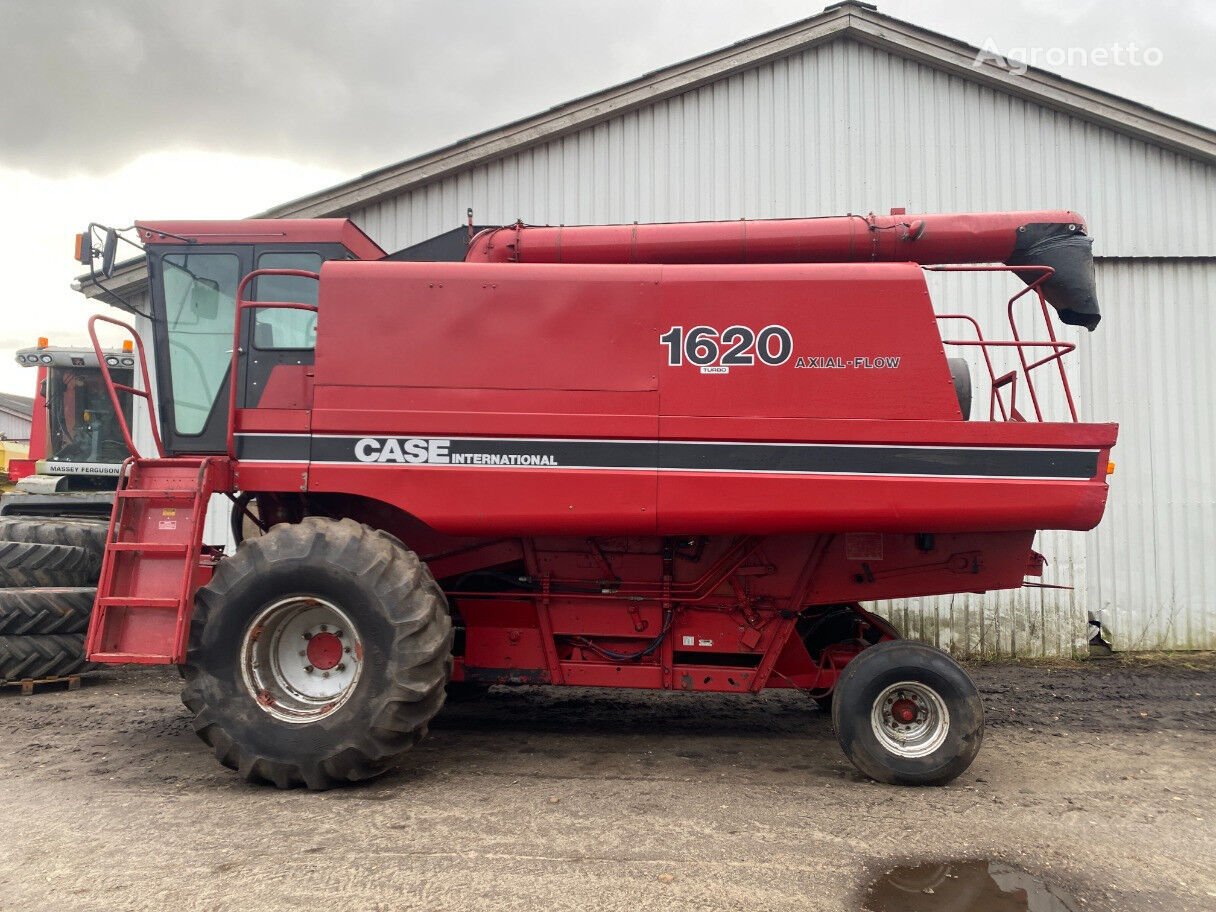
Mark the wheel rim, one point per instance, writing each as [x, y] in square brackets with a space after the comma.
[910, 719]
[301, 658]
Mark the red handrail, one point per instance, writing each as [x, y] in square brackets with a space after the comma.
[241, 306]
[1058, 349]
[112, 388]
[979, 340]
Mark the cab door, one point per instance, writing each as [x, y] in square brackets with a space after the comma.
[194, 306]
[275, 374]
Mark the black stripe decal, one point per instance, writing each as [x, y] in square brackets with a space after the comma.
[273, 447]
[846, 459]
[863, 460]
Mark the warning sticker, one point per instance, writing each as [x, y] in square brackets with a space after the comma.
[863, 546]
[167, 525]
[689, 641]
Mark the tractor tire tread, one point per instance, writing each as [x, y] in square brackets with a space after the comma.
[27, 564]
[45, 610]
[90, 535]
[51, 656]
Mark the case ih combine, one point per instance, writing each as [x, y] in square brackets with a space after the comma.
[653, 456]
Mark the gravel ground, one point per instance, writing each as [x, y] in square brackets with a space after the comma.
[1096, 777]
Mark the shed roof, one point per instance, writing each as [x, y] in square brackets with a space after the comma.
[18, 406]
[849, 19]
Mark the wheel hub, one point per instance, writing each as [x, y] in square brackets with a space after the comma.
[910, 719]
[301, 658]
[324, 650]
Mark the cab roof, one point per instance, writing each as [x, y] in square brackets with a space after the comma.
[263, 231]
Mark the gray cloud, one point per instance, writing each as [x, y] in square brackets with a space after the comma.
[355, 86]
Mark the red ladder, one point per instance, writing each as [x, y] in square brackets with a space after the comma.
[153, 561]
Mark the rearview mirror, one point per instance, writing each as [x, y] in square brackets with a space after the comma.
[108, 250]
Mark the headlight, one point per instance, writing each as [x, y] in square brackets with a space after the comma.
[111, 361]
[47, 359]
[128, 362]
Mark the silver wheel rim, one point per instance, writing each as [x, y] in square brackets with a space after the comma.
[301, 658]
[910, 719]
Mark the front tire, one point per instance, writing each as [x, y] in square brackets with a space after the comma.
[907, 714]
[318, 654]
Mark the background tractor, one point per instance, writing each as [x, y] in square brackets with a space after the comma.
[53, 520]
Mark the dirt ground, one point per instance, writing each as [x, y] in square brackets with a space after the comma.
[1099, 777]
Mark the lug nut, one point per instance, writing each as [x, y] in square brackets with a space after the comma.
[307, 635]
[324, 628]
[347, 650]
[308, 669]
[341, 667]
[338, 633]
[325, 674]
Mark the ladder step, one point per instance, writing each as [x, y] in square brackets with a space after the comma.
[148, 547]
[144, 494]
[134, 658]
[132, 601]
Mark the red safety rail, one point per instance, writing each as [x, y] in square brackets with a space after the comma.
[154, 557]
[1058, 349]
[241, 306]
[112, 388]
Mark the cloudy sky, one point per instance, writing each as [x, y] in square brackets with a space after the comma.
[222, 108]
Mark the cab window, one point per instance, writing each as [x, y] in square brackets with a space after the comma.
[280, 328]
[200, 295]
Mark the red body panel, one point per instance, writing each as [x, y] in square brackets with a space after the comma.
[20, 468]
[537, 353]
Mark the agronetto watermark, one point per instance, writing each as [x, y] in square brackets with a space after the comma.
[1017, 60]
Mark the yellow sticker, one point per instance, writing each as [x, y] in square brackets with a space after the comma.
[168, 511]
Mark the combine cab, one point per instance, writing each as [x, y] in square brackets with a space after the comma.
[53, 521]
[674, 456]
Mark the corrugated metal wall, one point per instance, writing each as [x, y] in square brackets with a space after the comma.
[845, 127]
[839, 128]
[15, 428]
[1150, 566]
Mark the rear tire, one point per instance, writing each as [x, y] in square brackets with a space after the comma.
[268, 708]
[907, 714]
[41, 656]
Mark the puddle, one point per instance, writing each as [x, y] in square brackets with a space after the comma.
[964, 886]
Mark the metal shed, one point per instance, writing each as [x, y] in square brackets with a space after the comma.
[853, 111]
[16, 417]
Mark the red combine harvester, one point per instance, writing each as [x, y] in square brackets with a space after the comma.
[652, 456]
